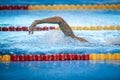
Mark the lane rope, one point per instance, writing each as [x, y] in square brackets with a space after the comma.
[46, 28]
[60, 57]
[93, 28]
[25, 28]
[74, 7]
[60, 7]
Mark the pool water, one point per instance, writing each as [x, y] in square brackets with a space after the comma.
[49, 42]
[55, 42]
[52, 2]
[60, 70]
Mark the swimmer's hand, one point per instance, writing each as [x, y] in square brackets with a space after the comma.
[32, 27]
[80, 39]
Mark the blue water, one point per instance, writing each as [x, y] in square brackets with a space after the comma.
[51, 2]
[60, 70]
[72, 17]
[55, 41]
[49, 42]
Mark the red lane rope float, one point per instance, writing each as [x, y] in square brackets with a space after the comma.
[4, 29]
[14, 57]
[77, 57]
[38, 57]
[54, 57]
[22, 57]
[11, 28]
[14, 7]
[60, 57]
[30, 57]
[25, 28]
[85, 57]
[46, 57]
[69, 56]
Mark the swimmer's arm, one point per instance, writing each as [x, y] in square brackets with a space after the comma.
[54, 20]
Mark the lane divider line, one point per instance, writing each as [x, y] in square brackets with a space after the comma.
[13, 7]
[74, 7]
[25, 28]
[59, 57]
[46, 28]
[93, 28]
[61, 7]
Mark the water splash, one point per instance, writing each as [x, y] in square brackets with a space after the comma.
[57, 42]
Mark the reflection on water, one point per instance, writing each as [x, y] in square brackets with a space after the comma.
[61, 63]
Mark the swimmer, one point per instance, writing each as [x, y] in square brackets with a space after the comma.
[62, 24]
